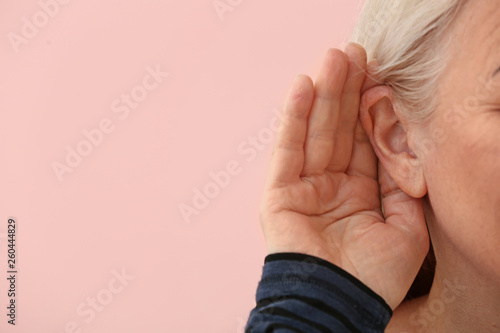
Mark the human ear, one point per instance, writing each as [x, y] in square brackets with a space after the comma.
[387, 130]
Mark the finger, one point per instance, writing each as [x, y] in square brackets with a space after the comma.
[403, 211]
[370, 80]
[324, 114]
[349, 106]
[363, 159]
[288, 154]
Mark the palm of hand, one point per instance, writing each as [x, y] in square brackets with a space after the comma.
[322, 196]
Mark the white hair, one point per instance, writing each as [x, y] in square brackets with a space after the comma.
[410, 43]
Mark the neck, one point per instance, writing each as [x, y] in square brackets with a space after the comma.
[463, 296]
[461, 300]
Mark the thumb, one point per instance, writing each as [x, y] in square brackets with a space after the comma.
[403, 211]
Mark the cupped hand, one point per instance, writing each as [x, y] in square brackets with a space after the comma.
[322, 194]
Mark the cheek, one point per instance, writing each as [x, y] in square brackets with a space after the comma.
[477, 160]
[463, 177]
[464, 169]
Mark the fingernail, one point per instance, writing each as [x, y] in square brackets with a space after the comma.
[351, 44]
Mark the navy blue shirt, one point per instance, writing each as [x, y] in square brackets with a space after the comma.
[303, 293]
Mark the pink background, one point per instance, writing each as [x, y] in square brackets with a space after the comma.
[119, 209]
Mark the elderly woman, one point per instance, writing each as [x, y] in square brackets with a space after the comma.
[390, 150]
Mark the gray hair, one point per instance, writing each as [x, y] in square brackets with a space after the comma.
[408, 39]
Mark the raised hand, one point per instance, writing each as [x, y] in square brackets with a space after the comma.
[322, 194]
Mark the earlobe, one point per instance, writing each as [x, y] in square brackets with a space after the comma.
[388, 132]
